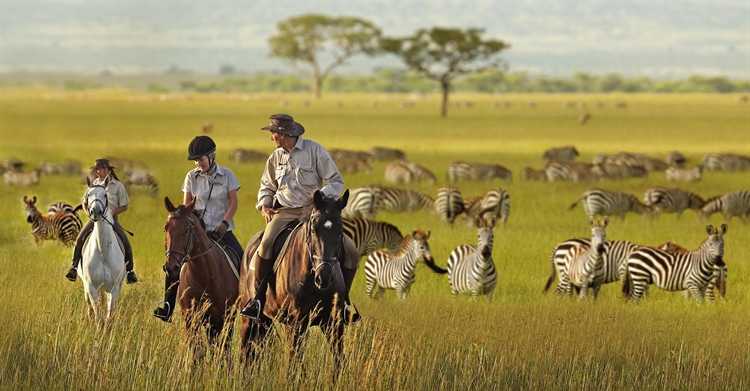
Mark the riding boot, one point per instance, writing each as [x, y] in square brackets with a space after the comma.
[78, 250]
[128, 253]
[165, 311]
[263, 274]
[351, 314]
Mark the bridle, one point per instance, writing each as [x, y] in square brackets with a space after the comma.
[189, 243]
[312, 256]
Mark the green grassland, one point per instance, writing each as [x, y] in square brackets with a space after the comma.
[520, 339]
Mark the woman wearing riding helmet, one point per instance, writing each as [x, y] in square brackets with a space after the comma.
[213, 188]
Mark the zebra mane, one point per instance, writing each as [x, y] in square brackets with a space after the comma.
[403, 247]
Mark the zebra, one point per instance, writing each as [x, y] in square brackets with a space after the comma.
[718, 280]
[63, 225]
[615, 254]
[363, 202]
[726, 162]
[395, 269]
[672, 200]
[561, 154]
[16, 178]
[675, 174]
[369, 235]
[632, 159]
[471, 269]
[383, 153]
[676, 159]
[449, 204]
[402, 171]
[493, 205]
[598, 202]
[730, 205]
[569, 171]
[532, 174]
[458, 171]
[401, 200]
[679, 271]
[141, 179]
[586, 267]
[609, 170]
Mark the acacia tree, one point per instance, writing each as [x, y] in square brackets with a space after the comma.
[442, 54]
[312, 39]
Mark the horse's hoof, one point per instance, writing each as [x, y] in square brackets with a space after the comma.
[131, 277]
[72, 275]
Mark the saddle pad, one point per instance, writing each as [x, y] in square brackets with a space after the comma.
[232, 261]
[284, 237]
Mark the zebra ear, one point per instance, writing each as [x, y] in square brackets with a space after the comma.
[25, 200]
[605, 222]
[33, 199]
[428, 235]
[710, 229]
[724, 228]
[168, 204]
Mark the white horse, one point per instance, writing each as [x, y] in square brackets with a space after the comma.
[102, 268]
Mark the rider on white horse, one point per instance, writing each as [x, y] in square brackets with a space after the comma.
[117, 199]
[214, 190]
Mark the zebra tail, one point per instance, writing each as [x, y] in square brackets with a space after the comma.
[77, 208]
[552, 276]
[573, 205]
[434, 267]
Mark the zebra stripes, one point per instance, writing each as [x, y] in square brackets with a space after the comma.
[718, 280]
[469, 171]
[392, 199]
[61, 222]
[449, 203]
[586, 266]
[672, 200]
[395, 269]
[726, 162]
[369, 235]
[735, 204]
[363, 203]
[598, 202]
[494, 205]
[471, 269]
[679, 271]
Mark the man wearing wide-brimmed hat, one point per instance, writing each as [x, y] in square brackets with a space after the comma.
[293, 173]
[117, 199]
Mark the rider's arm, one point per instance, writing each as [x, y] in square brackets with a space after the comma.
[231, 205]
[268, 184]
[329, 173]
[118, 210]
[187, 198]
[187, 186]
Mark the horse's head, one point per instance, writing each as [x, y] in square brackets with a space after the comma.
[31, 209]
[96, 202]
[327, 237]
[179, 234]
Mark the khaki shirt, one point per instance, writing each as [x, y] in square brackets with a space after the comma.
[291, 178]
[117, 196]
[198, 184]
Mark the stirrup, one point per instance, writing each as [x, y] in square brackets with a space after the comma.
[159, 314]
[253, 310]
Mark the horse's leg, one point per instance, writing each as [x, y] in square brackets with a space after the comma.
[93, 295]
[334, 332]
[112, 301]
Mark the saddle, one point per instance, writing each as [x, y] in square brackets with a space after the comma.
[231, 256]
[280, 244]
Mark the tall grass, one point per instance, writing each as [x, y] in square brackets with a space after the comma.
[518, 339]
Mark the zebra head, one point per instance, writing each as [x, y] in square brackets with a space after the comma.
[31, 210]
[599, 235]
[422, 246]
[484, 241]
[714, 244]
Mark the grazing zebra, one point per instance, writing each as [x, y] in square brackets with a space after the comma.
[369, 235]
[68, 167]
[675, 174]
[400, 200]
[532, 174]
[15, 178]
[609, 170]
[598, 202]
[676, 159]
[449, 204]
[363, 202]
[241, 155]
[493, 205]
[586, 266]
[458, 171]
[383, 153]
[561, 154]
[616, 253]
[718, 280]
[726, 162]
[632, 160]
[63, 224]
[569, 171]
[672, 200]
[141, 179]
[471, 268]
[346, 154]
[401, 171]
[678, 271]
[730, 205]
[395, 269]
[352, 166]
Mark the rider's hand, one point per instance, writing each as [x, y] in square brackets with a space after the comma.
[220, 231]
[268, 213]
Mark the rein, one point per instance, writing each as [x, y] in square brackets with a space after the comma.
[186, 256]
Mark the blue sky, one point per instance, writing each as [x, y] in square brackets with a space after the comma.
[654, 38]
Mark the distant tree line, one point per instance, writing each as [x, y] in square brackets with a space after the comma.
[386, 80]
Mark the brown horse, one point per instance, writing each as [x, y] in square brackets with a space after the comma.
[308, 288]
[208, 286]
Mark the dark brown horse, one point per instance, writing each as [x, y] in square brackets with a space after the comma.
[208, 286]
[308, 288]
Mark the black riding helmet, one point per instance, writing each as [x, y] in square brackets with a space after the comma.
[201, 146]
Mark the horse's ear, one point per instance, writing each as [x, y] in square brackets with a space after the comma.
[318, 200]
[88, 181]
[341, 203]
[168, 204]
[190, 205]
